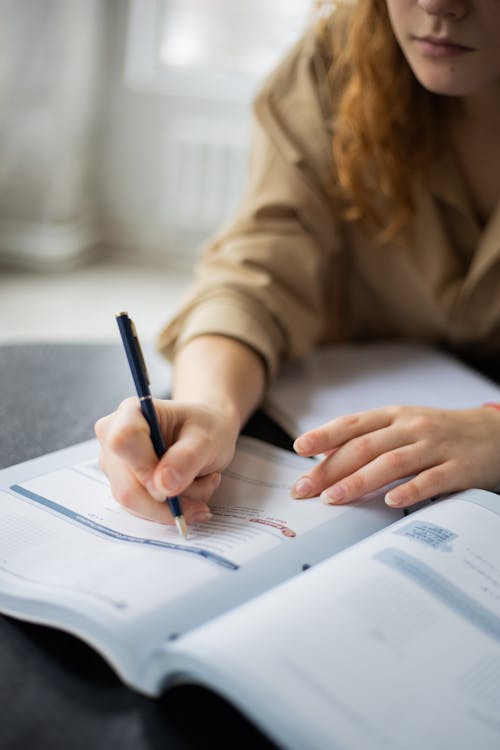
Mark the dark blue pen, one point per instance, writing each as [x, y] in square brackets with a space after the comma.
[141, 380]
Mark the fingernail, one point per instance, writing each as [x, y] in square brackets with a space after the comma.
[303, 445]
[302, 488]
[170, 481]
[392, 499]
[333, 494]
[201, 516]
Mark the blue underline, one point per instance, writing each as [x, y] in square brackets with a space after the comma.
[106, 531]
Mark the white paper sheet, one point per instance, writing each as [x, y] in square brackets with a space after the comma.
[348, 378]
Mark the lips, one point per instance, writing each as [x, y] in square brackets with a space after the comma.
[440, 46]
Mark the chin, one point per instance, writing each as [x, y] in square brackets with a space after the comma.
[444, 85]
[445, 77]
[450, 91]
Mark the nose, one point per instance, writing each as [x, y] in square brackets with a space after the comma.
[451, 8]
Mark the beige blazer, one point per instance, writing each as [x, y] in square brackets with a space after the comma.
[287, 275]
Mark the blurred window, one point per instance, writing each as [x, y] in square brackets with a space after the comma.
[210, 48]
[242, 36]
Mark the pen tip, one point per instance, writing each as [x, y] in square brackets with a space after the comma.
[181, 524]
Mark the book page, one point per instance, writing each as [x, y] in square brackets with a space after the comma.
[393, 643]
[64, 530]
[252, 508]
[50, 553]
[348, 378]
[71, 556]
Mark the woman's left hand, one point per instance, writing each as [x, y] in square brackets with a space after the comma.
[438, 450]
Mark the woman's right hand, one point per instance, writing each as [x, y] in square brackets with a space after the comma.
[201, 441]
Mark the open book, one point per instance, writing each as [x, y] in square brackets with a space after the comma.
[72, 557]
[329, 627]
[396, 637]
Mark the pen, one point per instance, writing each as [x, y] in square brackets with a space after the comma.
[141, 380]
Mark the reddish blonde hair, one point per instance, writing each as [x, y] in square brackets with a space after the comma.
[386, 127]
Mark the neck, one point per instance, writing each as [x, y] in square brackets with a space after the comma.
[480, 110]
[474, 128]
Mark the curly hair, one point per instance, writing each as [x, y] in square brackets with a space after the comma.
[386, 123]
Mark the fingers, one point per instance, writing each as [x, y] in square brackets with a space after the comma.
[190, 468]
[442, 450]
[182, 464]
[366, 451]
[201, 490]
[427, 484]
[125, 435]
[133, 496]
[352, 456]
[382, 470]
[338, 431]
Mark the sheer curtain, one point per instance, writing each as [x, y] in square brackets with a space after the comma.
[49, 81]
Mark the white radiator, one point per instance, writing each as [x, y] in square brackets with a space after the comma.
[207, 164]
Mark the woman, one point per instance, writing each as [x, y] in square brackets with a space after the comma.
[372, 211]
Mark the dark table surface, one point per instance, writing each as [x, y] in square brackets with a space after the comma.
[55, 692]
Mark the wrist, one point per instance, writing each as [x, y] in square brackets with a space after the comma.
[221, 374]
[227, 409]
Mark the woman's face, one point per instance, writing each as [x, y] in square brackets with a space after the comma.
[452, 46]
